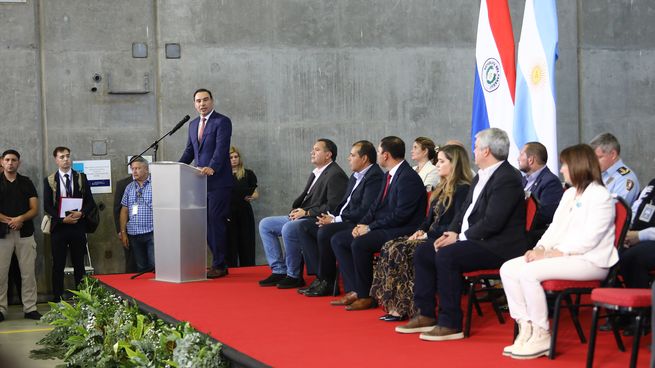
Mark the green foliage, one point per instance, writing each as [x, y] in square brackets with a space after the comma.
[102, 330]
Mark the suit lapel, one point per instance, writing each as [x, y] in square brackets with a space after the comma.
[484, 191]
[351, 184]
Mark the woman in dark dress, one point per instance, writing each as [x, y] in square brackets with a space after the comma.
[241, 223]
[393, 276]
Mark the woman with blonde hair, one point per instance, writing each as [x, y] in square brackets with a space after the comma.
[393, 277]
[241, 222]
[578, 245]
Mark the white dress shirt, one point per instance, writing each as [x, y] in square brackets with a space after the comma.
[483, 178]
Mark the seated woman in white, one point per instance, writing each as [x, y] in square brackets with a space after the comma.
[578, 245]
[424, 153]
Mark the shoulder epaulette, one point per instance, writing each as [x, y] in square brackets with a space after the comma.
[624, 171]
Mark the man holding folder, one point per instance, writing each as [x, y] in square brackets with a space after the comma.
[67, 198]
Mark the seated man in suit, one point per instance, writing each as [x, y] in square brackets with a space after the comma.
[542, 183]
[397, 211]
[322, 194]
[488, 230]
[363, 188]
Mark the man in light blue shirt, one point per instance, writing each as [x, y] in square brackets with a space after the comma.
[617, 177]
[136, 217]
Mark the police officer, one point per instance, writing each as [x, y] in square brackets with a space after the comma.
[638, 257]
[617, 177]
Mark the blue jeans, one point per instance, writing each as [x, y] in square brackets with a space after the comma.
[143, 246]
[270, 229]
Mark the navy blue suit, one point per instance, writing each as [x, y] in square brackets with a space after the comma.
[214, 151]
[548, 190]
[316, 247]
[399, 213]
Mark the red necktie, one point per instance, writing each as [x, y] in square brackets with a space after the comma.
[386, 187]
[201, 129]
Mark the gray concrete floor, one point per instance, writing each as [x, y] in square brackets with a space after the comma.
[18, 336]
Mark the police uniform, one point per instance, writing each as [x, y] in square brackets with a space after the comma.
[622, 181]
[637, 261]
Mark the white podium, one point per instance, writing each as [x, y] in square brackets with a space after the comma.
[179, 203]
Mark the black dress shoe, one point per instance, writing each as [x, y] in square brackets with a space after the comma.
[311, 286]
[215, 273]
[272, 280]
[384, 318]
[290, 283]
[392, 318]
[322, 289]
[35, 315]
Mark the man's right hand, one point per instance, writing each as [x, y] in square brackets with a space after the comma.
[324, 219]
[69, 219]
[124, 239]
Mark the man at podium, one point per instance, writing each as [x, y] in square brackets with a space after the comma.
[209, 146]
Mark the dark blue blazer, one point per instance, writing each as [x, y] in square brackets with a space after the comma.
[497, 221]
[214, 151]
[404, 205]
[363, 196]
[548, 190]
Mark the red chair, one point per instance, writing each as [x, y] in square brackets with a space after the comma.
[562, 290]
[480, 280]
[633, 301]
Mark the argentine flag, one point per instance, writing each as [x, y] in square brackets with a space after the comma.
[495, 73]
[535, 114]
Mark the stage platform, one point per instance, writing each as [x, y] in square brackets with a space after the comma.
[280, 328]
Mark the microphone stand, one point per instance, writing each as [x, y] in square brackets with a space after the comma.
[155, 144]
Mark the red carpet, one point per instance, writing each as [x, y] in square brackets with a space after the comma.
[284, 329]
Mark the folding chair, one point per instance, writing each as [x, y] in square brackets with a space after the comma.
[562, 290]
[484, 277]
[88, 266]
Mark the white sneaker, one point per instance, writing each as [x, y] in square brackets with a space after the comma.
[525, 331]
[537, 345]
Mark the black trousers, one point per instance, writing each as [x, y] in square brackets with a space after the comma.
[241, 236]
[636, 262]
[318, 253]
[441, 273]
[65, 238]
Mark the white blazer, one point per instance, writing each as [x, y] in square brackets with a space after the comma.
[584, 226]
[429, 174]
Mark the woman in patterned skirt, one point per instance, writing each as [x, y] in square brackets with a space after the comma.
[393, 276]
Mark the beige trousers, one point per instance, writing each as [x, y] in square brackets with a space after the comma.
[25, 249]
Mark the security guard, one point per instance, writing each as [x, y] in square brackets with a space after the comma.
[617, 177]
[638, 256]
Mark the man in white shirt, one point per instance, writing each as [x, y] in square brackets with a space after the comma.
[322, 193]
[363, 188]
[488, 229]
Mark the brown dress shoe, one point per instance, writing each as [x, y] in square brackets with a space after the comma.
[347, 299]
[362, 303]
[441, 333]
[215, 273]
[418, 324]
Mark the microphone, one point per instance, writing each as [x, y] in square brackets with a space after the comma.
[179, 125]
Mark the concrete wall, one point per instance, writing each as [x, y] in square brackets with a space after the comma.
[288, 72]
